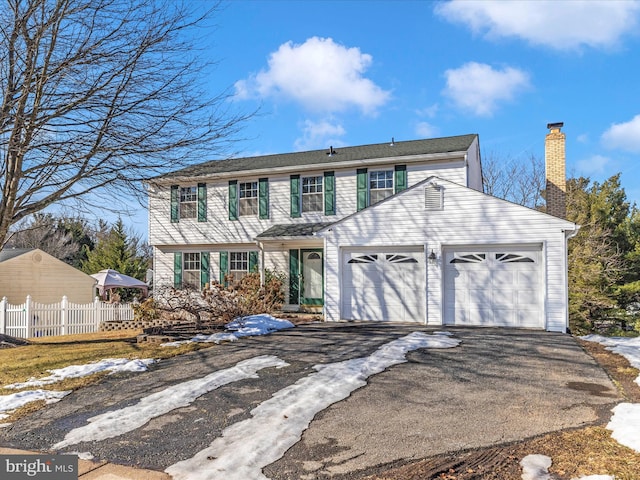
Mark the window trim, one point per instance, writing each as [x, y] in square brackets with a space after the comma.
[189, 271]
[390, 174]
[255, 199]
[319, 204]
[192, 192]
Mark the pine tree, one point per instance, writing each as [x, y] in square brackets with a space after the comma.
[118, 250]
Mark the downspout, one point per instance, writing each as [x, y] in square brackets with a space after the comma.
[567, 235]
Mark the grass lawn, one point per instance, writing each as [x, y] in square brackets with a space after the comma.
[22, 363]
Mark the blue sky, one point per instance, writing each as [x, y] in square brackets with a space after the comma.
[357, 72]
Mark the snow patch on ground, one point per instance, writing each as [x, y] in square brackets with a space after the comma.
[625, 425]
[9, 403]
[118, 422]
[278, 423]
[241, 327]
[625, 422]
[535, 467]
[629, 348]
[112, 365]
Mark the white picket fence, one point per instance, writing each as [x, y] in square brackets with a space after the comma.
[32, 319]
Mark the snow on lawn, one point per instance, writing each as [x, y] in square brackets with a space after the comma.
[112, 365]
[625, 423]
[536, 467]
[118, 422]
[9, 403]
[241, 327]
[278, 423]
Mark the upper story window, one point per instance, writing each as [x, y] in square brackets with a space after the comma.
[188, 202]
[248, 200]
[380, 185]
[191, 270]
[312, 199]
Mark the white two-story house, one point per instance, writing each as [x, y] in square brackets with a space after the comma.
[396, 231]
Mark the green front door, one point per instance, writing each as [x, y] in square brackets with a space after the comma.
[312, 277]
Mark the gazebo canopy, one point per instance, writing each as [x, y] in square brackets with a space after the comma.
[111, 279]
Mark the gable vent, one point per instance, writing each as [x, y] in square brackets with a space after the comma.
[433, 197]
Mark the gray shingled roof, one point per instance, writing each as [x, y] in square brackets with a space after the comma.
[9, 253]
[293, 230]
[315, 157]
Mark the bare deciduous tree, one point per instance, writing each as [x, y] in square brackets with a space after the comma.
[99, 93]
[519, 180]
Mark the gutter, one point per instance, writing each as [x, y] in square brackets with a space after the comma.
[433, 157]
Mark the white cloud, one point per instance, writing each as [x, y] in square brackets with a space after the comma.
[624, 136]
[595, 164]
[560, 25]
[319, 74]
[429, 112]
[479, 88]
[320, 134]
[426, 130]
[583, 138]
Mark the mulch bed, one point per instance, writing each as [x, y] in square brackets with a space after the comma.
[584, 451]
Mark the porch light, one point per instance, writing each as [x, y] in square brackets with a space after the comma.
[433, 258]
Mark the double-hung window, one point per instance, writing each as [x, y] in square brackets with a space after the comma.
[238, 265]
[248, 200]
[380, 185]
[312, 199]
[191, 270]
[188, 202]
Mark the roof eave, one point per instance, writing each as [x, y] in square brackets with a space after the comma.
[431, 157]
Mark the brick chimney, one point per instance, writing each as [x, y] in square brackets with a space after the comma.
[554, 159]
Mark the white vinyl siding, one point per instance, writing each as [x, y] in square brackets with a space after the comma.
[468, 218]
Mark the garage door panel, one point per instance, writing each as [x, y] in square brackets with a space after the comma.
[500, 289]
[386, 286]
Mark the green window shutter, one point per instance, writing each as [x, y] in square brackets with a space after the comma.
[295, 196]
[263, 197]
[175, 203]
[233, 199]
[202, 202]
[363, 196]
[329, 193]
[177, 269]
[294, 277]
[400, 178]
[253, 261]
[204, 268]
[224, 266]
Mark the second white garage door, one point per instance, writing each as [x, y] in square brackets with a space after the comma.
[494, 287]
[383, 286]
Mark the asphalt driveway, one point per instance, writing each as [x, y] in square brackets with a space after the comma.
[498, 386]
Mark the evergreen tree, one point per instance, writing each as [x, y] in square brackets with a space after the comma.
[118, 250]
[603, 256]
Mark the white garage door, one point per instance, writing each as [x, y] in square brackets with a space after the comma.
[494, 288]
[383, 286]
